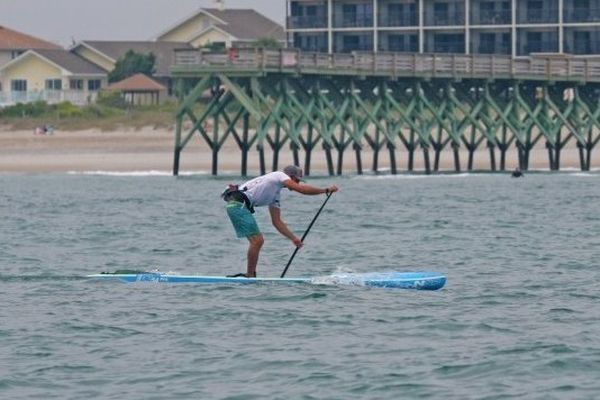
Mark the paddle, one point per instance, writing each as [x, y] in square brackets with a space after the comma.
[305, 234]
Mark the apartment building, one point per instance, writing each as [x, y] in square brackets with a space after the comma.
[508, 27]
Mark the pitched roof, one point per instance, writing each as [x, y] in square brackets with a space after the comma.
[242, 24]
[13, 40]
[61, 58]
[247, 24]
[164, 51]
[137, 83]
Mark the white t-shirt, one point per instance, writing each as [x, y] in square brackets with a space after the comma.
[265, 190]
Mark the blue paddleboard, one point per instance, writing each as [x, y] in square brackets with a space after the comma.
[400, 280]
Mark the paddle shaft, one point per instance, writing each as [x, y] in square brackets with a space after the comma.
[305, 234]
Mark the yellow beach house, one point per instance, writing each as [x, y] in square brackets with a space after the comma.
[226, 27]
[51, 75]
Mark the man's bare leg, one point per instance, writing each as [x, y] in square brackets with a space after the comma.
[255, 244]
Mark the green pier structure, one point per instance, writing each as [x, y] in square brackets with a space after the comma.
[430, 103]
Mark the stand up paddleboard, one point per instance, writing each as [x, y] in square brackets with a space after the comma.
[399, 280]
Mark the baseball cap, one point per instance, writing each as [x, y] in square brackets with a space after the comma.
[294, 171]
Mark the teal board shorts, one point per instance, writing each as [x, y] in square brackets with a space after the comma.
[242, 219]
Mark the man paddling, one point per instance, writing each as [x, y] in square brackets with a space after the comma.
[259, 192]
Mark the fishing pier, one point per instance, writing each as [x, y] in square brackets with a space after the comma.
[428, 103]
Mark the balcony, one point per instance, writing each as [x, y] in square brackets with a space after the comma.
[439, 18]
[307, 15]
[307, 22]
[501, 17]
[485, 48]
[399, 20]
[550, 46]
[539, 16]
[399, 42]
[316, 43]
[354, 20]
[582, 14]
[349, 42]
[582, 41]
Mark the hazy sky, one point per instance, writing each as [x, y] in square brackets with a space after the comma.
[62, 21]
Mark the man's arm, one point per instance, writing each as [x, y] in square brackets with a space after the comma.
[282, 227]
[307, 189]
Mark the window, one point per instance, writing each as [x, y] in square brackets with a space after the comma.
[18, 85]
[487, 7]
[534, 42]
[582, 42]
[53, 84]
[581, 11]
[351, 43]
[403, 43]
[76, 84]
[505, 45]
[414, 43]
[308, 42]
[414, 17]
[449, 43]
[487, 42]
[396, 43]
[535, 9]
[296, 10]
[394, 15]
[94, 85]
[441, 14]
[487, 12]
[349, 13]
[354, 15]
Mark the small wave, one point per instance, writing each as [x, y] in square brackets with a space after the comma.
[136, 173]
[585, 175]
[417, 176]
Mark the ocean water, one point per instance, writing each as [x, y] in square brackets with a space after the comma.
[518, 317]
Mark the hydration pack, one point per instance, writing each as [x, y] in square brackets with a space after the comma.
[234, 193]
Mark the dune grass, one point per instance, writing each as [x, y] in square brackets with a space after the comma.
[104, 115]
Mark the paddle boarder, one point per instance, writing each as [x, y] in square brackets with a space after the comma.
[263, 191]
[517, 173]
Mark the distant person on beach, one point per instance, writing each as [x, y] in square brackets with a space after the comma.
[262, 191]
[44, 130]
[517, 173]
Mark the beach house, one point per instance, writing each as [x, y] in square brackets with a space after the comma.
[105, 55]
[13, 44]
[51, 75]
[32, 69]
[206, 27]
[223, 27]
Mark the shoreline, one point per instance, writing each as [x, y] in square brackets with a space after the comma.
[150, 149]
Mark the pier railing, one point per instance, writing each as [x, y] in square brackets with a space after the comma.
[543, 68]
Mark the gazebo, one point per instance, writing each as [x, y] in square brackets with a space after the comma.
[139, 90]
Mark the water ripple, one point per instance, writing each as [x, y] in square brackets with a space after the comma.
[517, 319]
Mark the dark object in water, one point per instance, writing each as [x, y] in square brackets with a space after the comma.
[517, 173]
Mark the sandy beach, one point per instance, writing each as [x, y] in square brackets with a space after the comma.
[151, 149]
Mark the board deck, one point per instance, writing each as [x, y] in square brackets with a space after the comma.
[401, 280]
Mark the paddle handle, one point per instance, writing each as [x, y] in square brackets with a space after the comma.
[305, 234]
